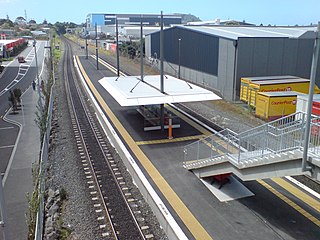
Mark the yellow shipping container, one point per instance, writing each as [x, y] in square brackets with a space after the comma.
[274, 105]
[299, 85]
[246, 81]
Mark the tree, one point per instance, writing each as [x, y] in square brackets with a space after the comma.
[6, 23]
[20, 21]
[17, 94]
[1, 67]
[44, 22]
[60, 27]
[32, 22]
[13, 101]
[232, 23]
[185, 18]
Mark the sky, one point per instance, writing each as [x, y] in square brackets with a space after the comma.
[274, 12]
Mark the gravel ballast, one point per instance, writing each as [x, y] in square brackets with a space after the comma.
[64, 171]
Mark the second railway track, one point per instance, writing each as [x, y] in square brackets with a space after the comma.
[107, 187]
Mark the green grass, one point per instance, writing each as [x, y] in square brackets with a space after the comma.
[57, 53]
[7, 59]
[64, 233]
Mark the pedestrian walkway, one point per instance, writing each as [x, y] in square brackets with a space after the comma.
[18, 180]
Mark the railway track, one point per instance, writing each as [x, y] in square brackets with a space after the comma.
[110, 196]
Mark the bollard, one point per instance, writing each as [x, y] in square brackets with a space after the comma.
[170, 128]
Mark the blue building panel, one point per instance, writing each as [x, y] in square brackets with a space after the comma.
[97, 19]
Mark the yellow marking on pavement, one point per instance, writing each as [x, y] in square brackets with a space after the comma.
[111, 68]
[181, 139]
[180, 208]
[298, 193]
[207, 133]
[214, 148]
[189, 121]
[291, 203]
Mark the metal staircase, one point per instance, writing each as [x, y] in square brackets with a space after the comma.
[272, 149]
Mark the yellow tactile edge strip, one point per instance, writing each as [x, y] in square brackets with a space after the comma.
[180, 139]
[176, 203]
[290, 203]
[298, 193]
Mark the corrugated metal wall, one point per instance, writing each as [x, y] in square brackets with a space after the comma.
[198, 51]
[274, 56]
[225, 83]
[217, 59]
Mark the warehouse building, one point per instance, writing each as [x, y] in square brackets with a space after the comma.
[216, 57]
[106, 22]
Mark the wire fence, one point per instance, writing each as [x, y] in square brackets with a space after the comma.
[43, 163]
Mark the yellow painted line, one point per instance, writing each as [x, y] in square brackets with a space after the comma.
[212, 147]
[298, 193]
[291, 203]
[189, 121]
[180, 208]
[111, 68]
[204, 131]
[181, 139]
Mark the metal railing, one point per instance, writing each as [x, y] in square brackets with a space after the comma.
[275, 137]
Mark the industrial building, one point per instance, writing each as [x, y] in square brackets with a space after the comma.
[9, 47]
[106, 22]
[218, 56]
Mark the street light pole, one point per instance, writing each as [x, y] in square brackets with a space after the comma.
[97, 58]
[86, 36]
[161, 72]
[179, 57]
[314, 65]
[141, 48]
[117, 40]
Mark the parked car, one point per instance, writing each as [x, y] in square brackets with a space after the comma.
[21, 59]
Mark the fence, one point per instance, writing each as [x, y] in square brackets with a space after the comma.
[42, 168]
[278, 136]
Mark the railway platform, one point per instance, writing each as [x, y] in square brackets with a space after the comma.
[201, 214]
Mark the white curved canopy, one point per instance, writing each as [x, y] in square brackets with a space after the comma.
[131, 91]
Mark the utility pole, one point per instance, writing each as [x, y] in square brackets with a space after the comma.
[179, 48]
[305, 166]
[161, 73]
[141, 48]
[117, 40]
[97, 57]
[86, 36]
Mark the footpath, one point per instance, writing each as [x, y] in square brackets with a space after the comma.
[18, 179]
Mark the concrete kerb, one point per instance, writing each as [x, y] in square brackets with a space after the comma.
[163, 215]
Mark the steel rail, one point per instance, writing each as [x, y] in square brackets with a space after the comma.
[94, 172]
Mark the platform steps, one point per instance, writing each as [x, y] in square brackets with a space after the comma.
[277, 141]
